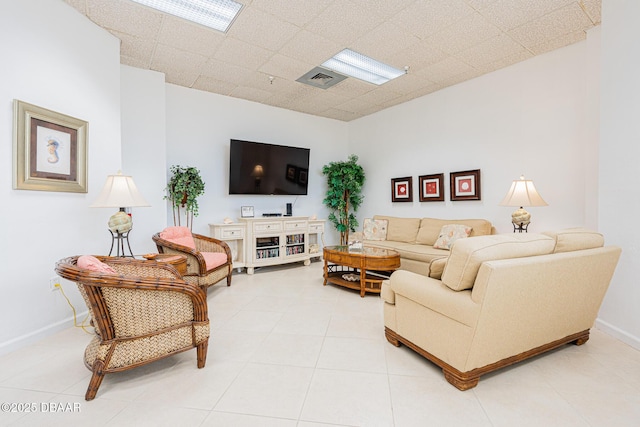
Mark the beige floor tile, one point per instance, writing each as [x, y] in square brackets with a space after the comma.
[348, 398]
[291, 350]
[420, 401]
[267, 390]
[352, 354]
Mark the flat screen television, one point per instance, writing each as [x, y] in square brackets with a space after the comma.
[260, 168]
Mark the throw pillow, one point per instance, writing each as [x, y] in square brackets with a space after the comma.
[375, 229]
[449, 234]
[179, 235]
[91, 263]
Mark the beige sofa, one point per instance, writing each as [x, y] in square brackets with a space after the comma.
[502, 299]
[414, 238]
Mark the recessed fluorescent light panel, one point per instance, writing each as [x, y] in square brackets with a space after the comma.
[362, 67]
[216, 14]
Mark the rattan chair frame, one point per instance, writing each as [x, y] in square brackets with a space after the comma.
[196, 266]
[139, 276]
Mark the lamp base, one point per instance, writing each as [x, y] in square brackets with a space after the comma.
[520, 227]
[119, 240]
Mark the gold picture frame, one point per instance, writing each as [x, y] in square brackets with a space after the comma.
[49, 150]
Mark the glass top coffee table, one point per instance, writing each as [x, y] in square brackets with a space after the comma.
[361, 269]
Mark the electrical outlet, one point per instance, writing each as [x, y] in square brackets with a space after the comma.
[54, 283]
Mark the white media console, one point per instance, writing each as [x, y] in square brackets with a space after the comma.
[258, 242]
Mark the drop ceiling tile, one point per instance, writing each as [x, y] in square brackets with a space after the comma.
[136, 49]
[345, 116]
[184, 35]
[210, 84]
[126, 17]
[298, 13]
[469, 31]
[178, 65]
[505, 62]
[344, 22]
[352, 87]
[443, 70]
[379, 96]
[79, 5]
[593, 9]
[384, 41]
[250, 94]
[284, 67]
[261, 29]
[417, 56]
[509, 14]
[240, 53]
[384, 8]
[358, 105]
[310, 47]
[559, 42]
[490, 51]
[424, 18]
[226, 72]
[551, 26]
[415, 94]
[480, 4]
[407, 83]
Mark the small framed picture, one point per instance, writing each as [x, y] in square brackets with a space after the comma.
[246, 211]
[431, 187]
[49, 150]
[465, 185]
[402, 189]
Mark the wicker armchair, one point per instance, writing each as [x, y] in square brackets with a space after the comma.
[143, 313]
[197, 249]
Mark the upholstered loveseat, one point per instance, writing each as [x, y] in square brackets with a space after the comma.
[414, 238]
[501, 299]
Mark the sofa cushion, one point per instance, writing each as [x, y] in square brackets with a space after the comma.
[436, 267]
[430, 228]
[575, 239]
[449, 234]
[401, 229]
[214, 259]
[375, 229]
[468, 254]
[411, 251]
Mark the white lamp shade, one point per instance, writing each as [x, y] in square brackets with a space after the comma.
[119, 191]
[523, 193]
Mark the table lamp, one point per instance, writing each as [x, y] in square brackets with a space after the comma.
[522, 193]
[120, 191]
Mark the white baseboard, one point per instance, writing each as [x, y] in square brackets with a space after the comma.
[618, 333]
[35, 336]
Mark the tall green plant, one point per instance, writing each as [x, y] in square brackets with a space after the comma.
[344, 194]
[183, 189]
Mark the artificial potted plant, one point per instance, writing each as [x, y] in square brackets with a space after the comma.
[183, 190]
[344, 194]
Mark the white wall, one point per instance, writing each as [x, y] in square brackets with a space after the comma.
[200, 126]
[57, 59]
[144, 148]
[619, 153]
[526, 119]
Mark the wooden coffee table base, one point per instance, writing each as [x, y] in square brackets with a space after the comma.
[339, 262]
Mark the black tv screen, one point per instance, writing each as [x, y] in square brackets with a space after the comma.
[260, 168]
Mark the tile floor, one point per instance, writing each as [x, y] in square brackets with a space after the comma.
[287, 351]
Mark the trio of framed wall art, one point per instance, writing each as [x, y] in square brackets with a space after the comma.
[464, 185]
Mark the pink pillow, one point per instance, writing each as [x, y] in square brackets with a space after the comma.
[179, 235]
[214, 259]
[91, 263]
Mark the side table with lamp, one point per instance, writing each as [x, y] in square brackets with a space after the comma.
[120, 191]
